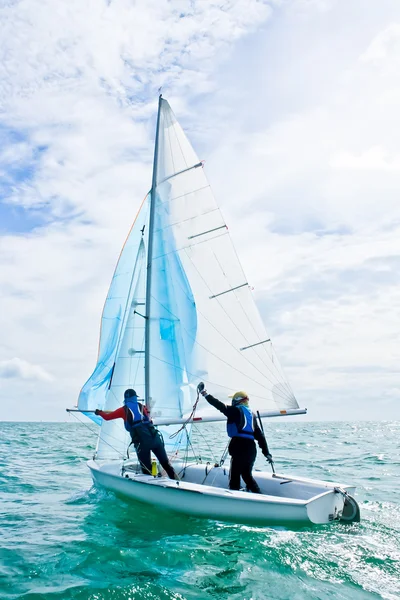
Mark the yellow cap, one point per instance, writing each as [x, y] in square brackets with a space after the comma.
[239, 395]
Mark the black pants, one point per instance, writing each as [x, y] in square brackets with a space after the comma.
[243, 455]
[147, 439]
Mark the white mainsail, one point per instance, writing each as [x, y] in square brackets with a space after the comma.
[180, 309]
[203, 319]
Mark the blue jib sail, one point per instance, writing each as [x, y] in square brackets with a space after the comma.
[114, 318]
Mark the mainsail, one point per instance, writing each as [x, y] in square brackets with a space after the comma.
[203, 319]
[180, 309]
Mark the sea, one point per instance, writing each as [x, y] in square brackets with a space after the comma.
[61, 538]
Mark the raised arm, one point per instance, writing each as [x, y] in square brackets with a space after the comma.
[217, 404]
[228, 411]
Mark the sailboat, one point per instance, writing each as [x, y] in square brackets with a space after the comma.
[179, 311]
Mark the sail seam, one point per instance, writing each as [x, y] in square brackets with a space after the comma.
[176, 135]
[208, 212]
[191, 245]
[186, 194]
[218, 357]
[213, 382]
[279, 376]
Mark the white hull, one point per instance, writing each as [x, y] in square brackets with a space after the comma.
[202, 492]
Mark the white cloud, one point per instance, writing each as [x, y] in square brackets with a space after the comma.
[385, 45]
[373, 158]
[80, 81]
[300, 128]
[314, 196]
[17, 368]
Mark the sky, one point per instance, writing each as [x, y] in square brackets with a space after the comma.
[293, 105]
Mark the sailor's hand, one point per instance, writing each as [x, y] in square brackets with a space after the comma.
[269, 458]
[97, 411]
[201, 389]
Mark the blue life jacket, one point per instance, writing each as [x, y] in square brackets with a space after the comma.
[133, 415]
[247, 430]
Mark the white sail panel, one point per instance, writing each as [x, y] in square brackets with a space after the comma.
[204, 322]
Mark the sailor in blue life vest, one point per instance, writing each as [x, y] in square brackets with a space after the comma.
[243, 429]
[145, 437]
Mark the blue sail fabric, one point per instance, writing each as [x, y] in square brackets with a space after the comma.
[173, 315]
[94, 392]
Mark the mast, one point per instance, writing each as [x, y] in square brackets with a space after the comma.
[149, 261]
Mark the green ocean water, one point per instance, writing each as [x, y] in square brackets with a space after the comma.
[61, 538]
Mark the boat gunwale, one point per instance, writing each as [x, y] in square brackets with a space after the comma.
[166, 483]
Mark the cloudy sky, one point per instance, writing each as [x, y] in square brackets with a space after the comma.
[294, 104]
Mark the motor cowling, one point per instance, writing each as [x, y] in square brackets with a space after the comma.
[351, 510]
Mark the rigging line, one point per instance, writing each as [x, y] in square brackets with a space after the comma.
[224, 455]
[225, 362]
[237, 328]
[206, 442]
[188, 419]
[169, 140]
[214, 237]
[195, 455]
[203, 187]
[282, 369]
[236, 349]
[279, 376]
[138, 361]
[94, 431]
[285, 381]
[177, 138]
[215, 355]
[112, 437]
[194, 375]
[90, 429]
[175, 448]
[230, 343]
[186, 453]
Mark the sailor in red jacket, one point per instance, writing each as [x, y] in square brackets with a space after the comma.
[145, 437]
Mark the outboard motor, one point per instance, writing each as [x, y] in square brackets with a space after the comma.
[351, 510]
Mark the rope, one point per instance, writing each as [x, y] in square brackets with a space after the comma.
[220, 358]
[92, 431]
[188, 419]
[224, 455]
